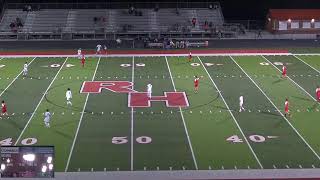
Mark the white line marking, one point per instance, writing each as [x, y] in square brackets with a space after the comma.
[184, 123]
[34, 112]
[132, 122]
[15, 78]
[277, 109]
[291, 79]
[243, 135]
[79, 124]
[306, 63]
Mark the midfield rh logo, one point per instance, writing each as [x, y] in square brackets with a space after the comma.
[135, 99]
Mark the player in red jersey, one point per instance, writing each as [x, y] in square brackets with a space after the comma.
[286, 108]
[83, 60]
[190, 57]
[284, 71]
[3, 109]
[196, 84]
[318, 93]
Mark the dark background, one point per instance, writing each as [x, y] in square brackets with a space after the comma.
[232, 9]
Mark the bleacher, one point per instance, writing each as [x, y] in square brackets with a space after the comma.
[9, 16]
[165, 20]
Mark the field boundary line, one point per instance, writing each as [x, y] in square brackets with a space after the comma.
[44, 94]
[132, 123]
[149, 55]
[183, 120]
[79, 124]
[290, 79]
[306, 63]
[235, 120]
[296, 131]
[15, 77]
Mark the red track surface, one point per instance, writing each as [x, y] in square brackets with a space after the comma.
[137, 52]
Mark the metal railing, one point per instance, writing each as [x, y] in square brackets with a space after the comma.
[115, 5]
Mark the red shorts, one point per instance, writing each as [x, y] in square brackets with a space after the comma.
[196, 85]
[286, 110]
[4, 110]
[83, 61]
[318, 98]
[284, 72]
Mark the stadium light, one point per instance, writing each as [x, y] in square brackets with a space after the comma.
[29, 157]
[289, 20]
[3, 167]
[50, 167]
[44, 169]
[312, 20]
[49, 160]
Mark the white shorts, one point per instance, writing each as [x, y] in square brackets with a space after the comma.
[241, 104]
[46, 120]
[25, 70]
[68, 99]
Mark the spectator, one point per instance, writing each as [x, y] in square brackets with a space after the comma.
[25, 8]
[29, 8]
[131, 10]
[206, 26]
[194, 21]
[156, 9]
[118, 41]
[177, 44]
[210, 6]
[95, 19]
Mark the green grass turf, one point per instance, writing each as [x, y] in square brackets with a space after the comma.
[265, 123]
[165, 129]
[11, 69]
[209, 124]
[313, 61]
[65, 119]
[208, 131]
[94, 147]
[23, 96]
[301, 106]
[302, 74]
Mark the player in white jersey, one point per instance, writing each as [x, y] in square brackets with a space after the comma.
[98, 49]
[69, 97]
[25, 69]
[79, 53]
[149, 90]
[47, 118]
[241, 104]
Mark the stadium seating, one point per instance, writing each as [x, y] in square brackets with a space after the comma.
[9, 16]
[112, 20]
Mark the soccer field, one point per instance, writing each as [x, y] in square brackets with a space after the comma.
[107, 131]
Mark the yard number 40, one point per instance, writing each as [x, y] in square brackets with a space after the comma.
[253, 138]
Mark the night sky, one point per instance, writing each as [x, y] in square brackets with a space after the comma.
[232, 9]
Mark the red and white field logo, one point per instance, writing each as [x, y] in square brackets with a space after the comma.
[135, 99]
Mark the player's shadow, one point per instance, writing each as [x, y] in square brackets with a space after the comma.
[78, 109]
[302, 98]
[65, 135]
[277, 81]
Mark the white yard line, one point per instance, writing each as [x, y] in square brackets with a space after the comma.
[15, 78]
[306, 63]
[244, 136]
[79, 124]
[132, 123]
[291, 79]
[35, 110]
[184, 123]
[314, 152]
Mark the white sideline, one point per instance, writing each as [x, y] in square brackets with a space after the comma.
[151, 55]
[244, 136]
[314, 152]
[184, 123]
[79, 124]
[132, 110]
[306, 63]
[44, 94]
[15, 78]
[291, 80]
